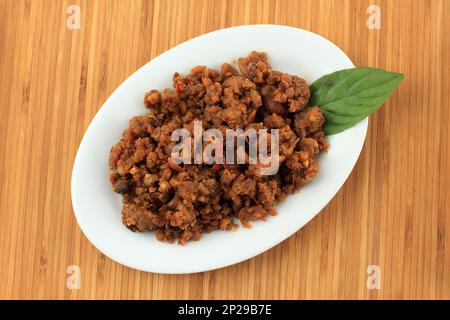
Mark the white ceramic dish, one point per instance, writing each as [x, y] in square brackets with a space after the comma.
[97, 208]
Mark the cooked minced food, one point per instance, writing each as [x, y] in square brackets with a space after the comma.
[182, 201]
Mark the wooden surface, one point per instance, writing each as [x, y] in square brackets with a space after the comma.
[393, 211]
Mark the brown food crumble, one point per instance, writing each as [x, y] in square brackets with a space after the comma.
[180, 202]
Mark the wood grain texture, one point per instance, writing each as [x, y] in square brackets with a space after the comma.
[393, 211]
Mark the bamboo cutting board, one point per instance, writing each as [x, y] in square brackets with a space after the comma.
[391, 220]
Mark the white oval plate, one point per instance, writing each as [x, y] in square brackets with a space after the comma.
[98, 209]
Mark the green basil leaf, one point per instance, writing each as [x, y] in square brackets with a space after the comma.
[348, 96]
